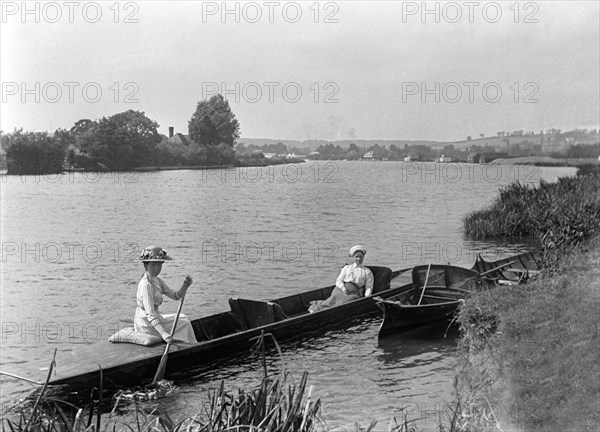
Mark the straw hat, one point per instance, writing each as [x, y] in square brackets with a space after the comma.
[154, 253]
[357, 248]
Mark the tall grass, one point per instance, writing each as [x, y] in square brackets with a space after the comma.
[278, 404]
[588, 170]
[560, 214]
[275, 406]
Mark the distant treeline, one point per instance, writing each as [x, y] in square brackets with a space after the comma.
[130, 140]
[125, 141]
[416, 152]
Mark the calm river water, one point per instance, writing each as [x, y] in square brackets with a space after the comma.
[69, 264]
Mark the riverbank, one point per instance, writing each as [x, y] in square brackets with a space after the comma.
[529, 354]
[245, 163]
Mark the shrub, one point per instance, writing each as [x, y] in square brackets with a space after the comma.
[34, 153]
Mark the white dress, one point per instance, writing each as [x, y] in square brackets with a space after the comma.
[362, 279]
[149, 320]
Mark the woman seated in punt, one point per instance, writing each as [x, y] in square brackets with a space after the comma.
[151, 289]
[354, 281]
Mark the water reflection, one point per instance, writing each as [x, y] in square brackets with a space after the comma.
[410, 349]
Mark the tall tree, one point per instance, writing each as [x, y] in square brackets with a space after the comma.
[82, 132]
[125, 140]
[214, 123]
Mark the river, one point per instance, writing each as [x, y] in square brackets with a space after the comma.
[69, 264]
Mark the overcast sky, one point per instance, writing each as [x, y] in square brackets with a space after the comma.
[306, 70]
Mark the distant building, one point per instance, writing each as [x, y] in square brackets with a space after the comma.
[294, 156]
[444, 159]
[178, 138]
[371, 155]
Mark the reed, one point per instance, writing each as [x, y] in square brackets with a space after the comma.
[278, 404]
[561, 215]
[589, 170]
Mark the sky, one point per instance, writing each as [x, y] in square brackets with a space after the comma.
[306, 70]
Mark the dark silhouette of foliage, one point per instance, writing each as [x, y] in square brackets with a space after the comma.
[214, 123]
[34, 153]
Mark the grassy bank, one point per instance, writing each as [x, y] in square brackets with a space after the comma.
[531, 354]
[260, 162]
[547, 161]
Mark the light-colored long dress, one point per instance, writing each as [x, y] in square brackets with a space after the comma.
[149, 320]
[354, 282]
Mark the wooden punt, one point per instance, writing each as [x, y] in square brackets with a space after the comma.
[220, 336]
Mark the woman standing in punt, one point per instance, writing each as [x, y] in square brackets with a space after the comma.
[151, 289]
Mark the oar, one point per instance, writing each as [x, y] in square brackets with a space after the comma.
[160, 372]
[425, 285]
[485, 273]
[496, 268]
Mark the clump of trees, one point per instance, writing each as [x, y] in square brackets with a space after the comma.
[122, 141]
[33, 153]
[119, 142]
[125, 141]
[583, 151]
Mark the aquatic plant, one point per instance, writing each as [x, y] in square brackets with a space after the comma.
[589, 170]
[560, 214]
[278, 404]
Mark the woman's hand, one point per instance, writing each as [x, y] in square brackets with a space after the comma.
[187, 282]
[167, 338]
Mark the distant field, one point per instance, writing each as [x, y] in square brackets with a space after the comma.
[496, 141]
[545, 160]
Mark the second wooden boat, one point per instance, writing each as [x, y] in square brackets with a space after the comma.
[438, 290]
